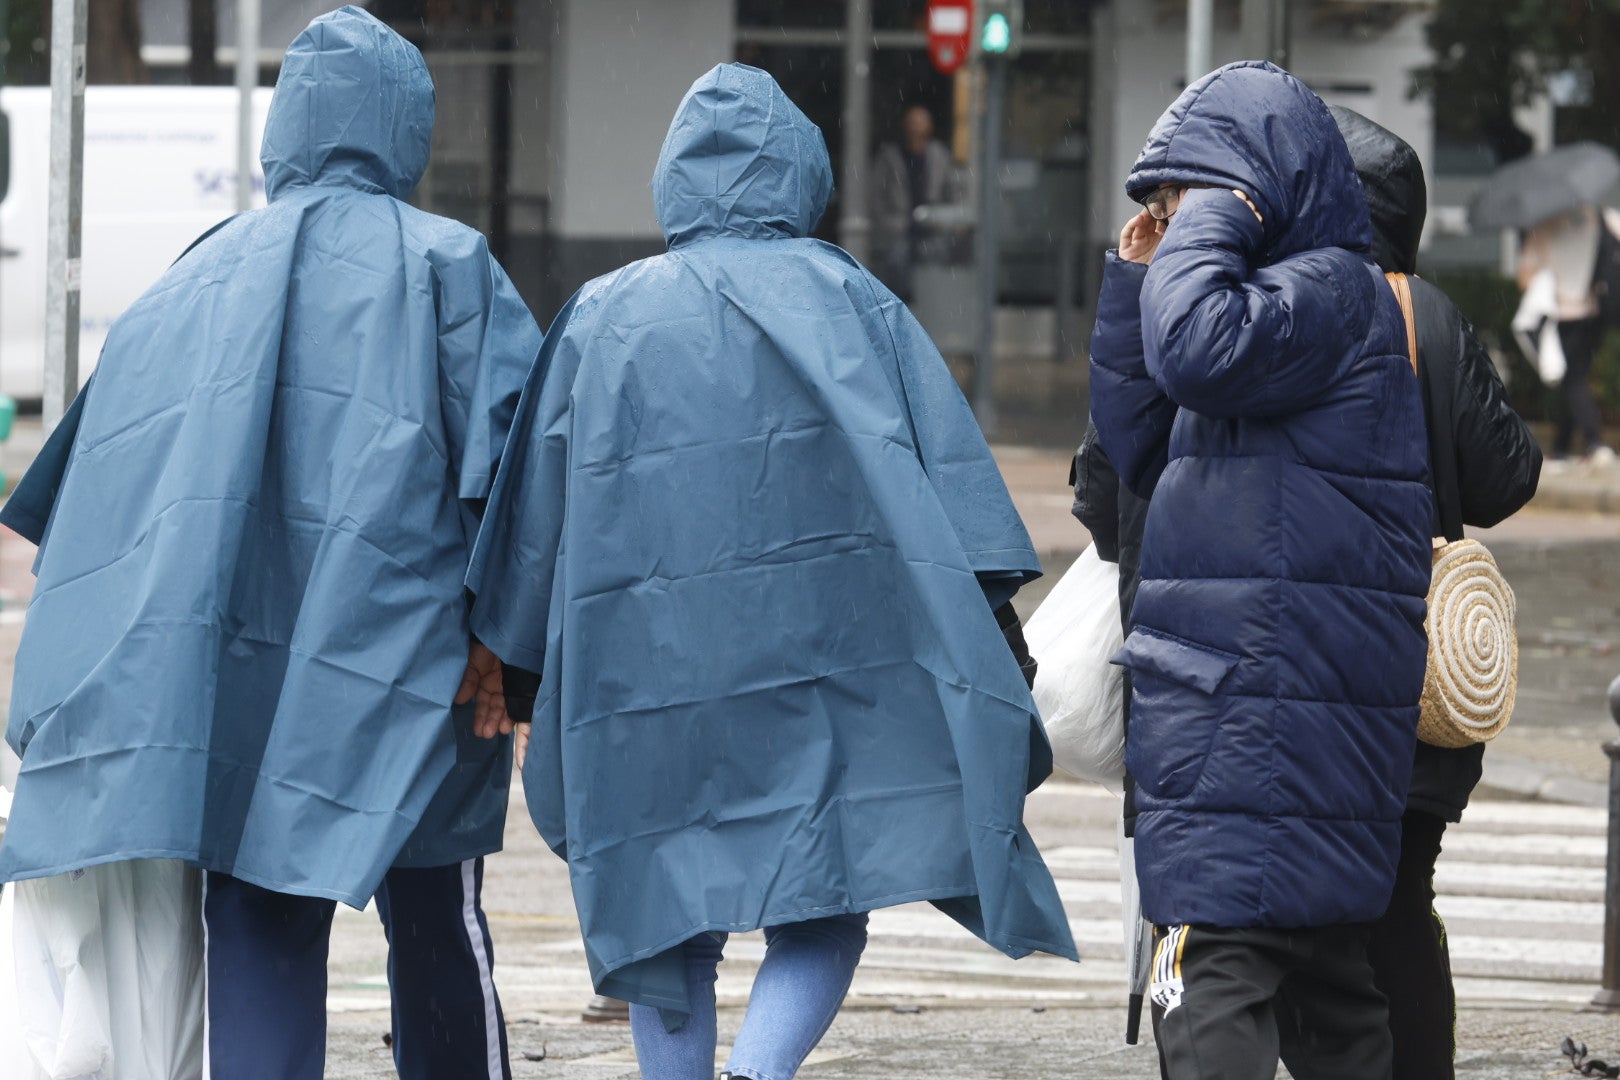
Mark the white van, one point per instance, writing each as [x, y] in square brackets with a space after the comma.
[159, 169]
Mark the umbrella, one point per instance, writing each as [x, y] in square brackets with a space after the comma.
[1138, 936]
[1534, 189]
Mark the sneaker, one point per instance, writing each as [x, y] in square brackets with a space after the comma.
[606, 1010]
[1602, 457]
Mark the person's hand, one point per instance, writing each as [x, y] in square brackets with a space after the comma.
[1139, 239]
[520, 743]
[1250, 204]
[482, 680]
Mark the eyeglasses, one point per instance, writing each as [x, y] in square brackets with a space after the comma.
[1164, 202]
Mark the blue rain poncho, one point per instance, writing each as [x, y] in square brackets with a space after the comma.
[250, 620]
[740, 529]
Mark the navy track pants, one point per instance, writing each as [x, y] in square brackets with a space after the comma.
[266, 985]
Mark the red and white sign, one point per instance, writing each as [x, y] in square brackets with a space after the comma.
[950, 33]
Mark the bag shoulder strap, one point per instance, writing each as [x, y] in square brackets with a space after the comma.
[1403, 293]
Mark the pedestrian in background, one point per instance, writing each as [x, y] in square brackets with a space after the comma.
[249, 632]
[749, 533]
[916, 172]
[1484, 465]
[1253, 382]
[1567, 247]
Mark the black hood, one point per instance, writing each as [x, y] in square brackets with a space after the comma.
[1392, 178]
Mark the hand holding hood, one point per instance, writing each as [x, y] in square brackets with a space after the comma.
[353, 107]
[740, 160]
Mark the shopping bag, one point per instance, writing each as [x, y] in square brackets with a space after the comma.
[1081, 696]
[109, 972]
[13, 1053]
[1535, 327]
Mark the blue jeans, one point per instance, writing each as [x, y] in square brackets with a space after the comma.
[797, 993]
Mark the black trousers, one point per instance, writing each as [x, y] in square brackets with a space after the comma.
[1228, 1004]
[1577, 406]
[1410, 963]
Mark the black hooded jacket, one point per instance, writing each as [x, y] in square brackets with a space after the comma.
[1484, 462]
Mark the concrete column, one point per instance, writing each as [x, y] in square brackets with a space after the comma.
[1265, 31]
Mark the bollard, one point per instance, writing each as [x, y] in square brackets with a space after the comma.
[1608, 998]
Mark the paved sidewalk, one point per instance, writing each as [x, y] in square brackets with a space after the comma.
[1520, 889]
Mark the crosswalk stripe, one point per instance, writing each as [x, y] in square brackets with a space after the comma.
[1505, 816]
[1487, 908]
[1527, 881]
[1533, 847]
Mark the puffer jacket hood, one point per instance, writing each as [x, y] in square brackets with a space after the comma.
[740, 160]
[1254, 127]
[1392, 179]
[353, 108]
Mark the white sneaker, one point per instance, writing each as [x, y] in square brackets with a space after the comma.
[1602, 457]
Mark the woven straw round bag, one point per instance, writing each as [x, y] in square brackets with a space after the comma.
[1473, 674]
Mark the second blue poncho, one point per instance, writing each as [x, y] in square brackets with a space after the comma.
[741, 528]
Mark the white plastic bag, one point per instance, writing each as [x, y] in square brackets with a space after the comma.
[1081, 695]
[1535, 327]
[109, 972]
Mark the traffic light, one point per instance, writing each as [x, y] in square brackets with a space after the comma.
[1001, 30]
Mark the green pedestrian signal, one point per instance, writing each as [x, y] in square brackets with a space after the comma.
[997, 33]
[1001, 28]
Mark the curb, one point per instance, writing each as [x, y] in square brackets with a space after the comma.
[1532, 780]
[1578, 500]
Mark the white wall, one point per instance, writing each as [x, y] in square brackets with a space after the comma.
[1147, 57]
[166, 22]
[621, 69]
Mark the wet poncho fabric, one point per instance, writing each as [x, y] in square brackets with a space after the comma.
[1254, 381]
[741, 528]
[250, 618]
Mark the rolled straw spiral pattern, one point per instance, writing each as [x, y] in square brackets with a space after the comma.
[1473, 674]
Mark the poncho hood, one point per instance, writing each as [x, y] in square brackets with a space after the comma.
[740, 160]
[353, 108]
[1254, 127]
[1392, 178]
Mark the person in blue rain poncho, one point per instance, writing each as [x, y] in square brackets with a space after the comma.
[747, 531]
[250, 624]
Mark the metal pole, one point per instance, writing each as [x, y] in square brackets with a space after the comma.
[854, 224]
[247, 81]
[1608, 998]
[984, 361]
[65, 217]
[1063, 301]
[1200, 38]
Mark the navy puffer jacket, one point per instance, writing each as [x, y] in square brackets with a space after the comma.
[1255, 383]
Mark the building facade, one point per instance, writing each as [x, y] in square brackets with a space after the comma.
[551, 112]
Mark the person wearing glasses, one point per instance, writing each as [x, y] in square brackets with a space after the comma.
[1249, 375]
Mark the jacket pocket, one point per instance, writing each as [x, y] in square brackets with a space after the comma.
[1175, 715]
[1168, 657]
